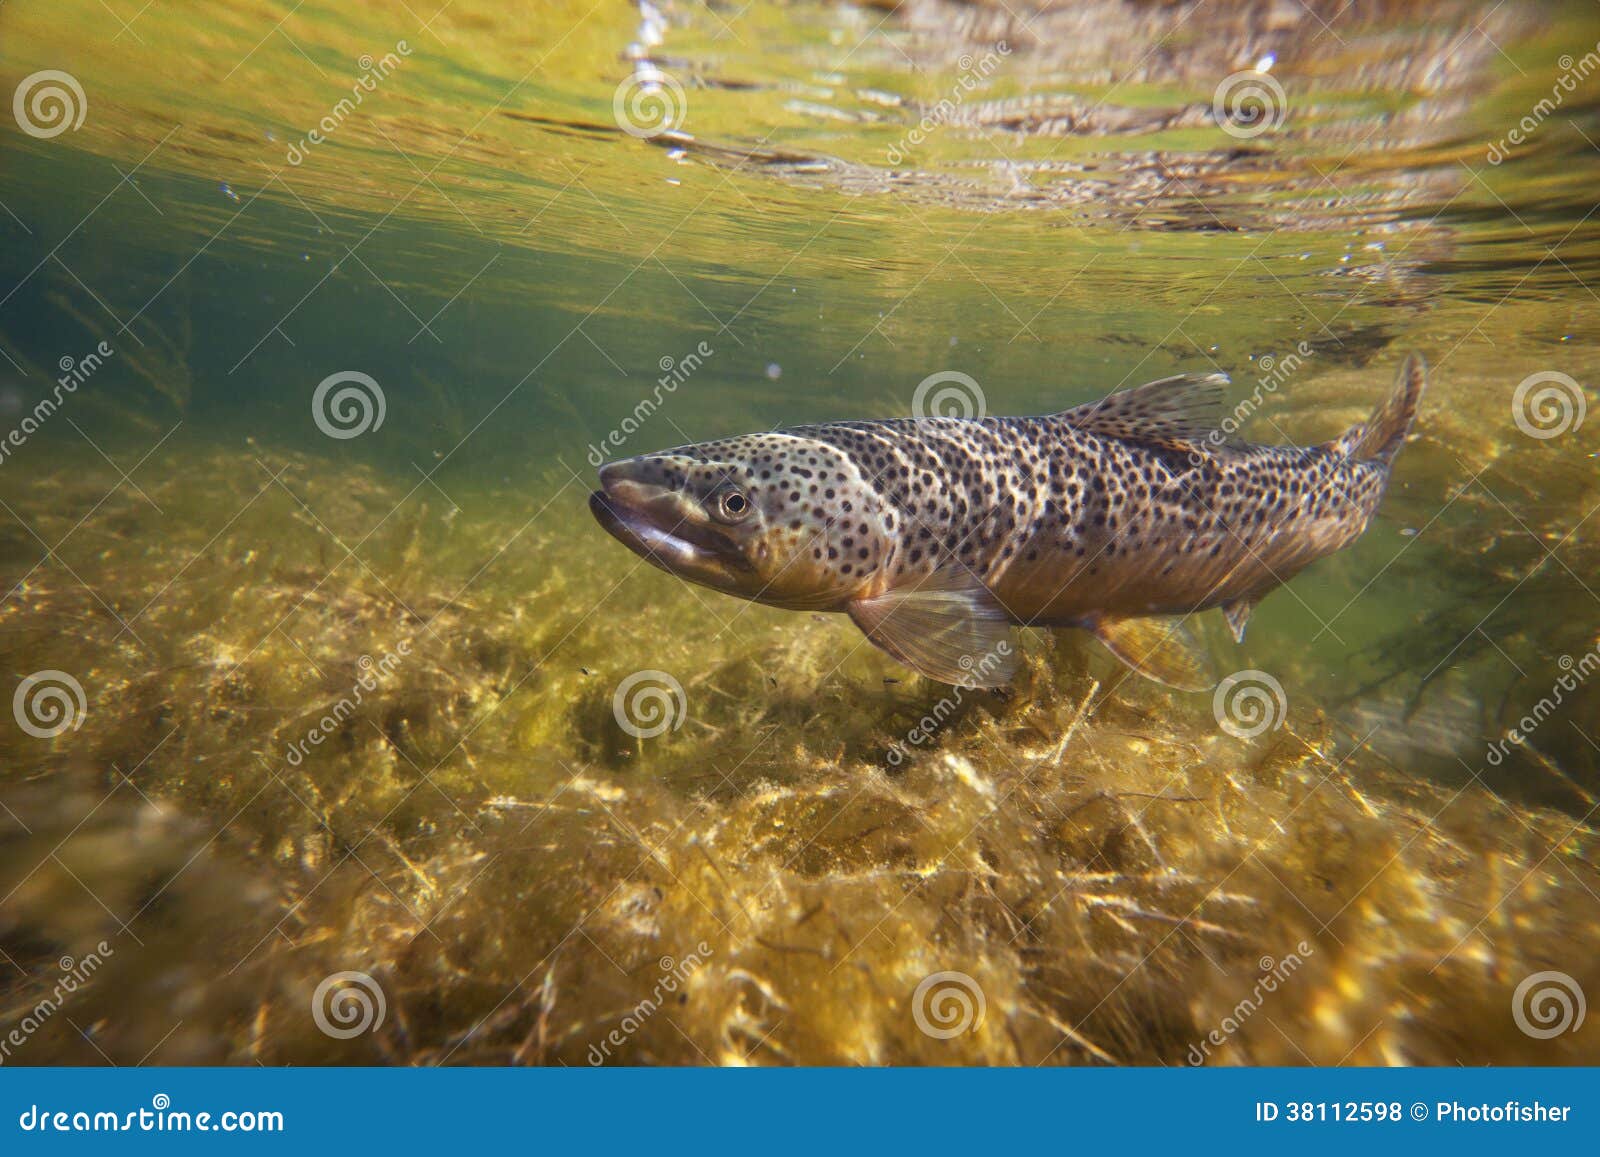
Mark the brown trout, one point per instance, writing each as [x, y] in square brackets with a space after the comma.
[936, 535]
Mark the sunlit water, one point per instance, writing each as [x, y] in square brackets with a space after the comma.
[518, 223]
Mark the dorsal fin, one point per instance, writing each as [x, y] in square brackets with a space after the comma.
[1186, 407]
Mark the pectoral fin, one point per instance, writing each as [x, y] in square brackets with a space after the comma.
[1162, 649]
[949, 629]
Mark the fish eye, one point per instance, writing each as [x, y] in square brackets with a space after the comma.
[732, 506]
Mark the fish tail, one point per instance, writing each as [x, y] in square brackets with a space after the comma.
[1380, 437]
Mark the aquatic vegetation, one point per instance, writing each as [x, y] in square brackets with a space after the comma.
[480, 835]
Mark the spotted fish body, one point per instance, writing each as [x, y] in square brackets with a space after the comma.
[937, 534]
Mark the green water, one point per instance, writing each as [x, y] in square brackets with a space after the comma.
[211, 575]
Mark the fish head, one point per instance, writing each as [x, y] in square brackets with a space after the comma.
[776, 518]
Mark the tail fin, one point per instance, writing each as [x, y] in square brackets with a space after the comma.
[1380, 437]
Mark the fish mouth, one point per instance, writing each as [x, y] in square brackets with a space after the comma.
[650, 520]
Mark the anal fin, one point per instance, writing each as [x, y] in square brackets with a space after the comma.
[949, 629]
[1159, 648]
[1238, 614]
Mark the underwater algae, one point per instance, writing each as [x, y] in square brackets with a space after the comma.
[1115, 880]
